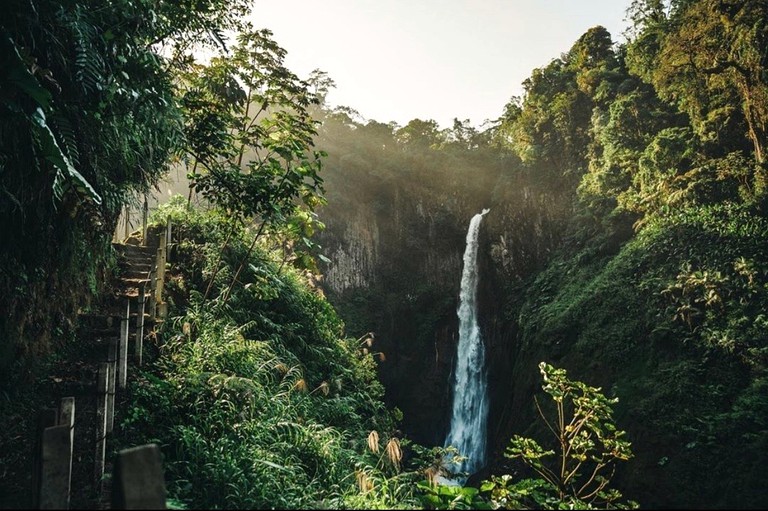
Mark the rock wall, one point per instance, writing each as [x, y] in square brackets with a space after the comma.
[396, 262]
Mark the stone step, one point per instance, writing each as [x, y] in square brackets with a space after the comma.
[133, 239]
[116, 316]
[139, 261]
[133, 281]
[143, 267]
[133, 255]
[136, 252]
[98, 320]
[131, 293]
[132, 247]
[94, 337]
[138, 265]
[136, 275]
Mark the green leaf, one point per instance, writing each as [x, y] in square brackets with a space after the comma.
[53, 154]
[16, 73]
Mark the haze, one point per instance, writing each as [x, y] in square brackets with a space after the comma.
[395, 60]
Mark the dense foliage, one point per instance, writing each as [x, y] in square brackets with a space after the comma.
[90, 115]
[98, 100]
[260, 401]
[659, 284]
[576, 470]
[625, 242]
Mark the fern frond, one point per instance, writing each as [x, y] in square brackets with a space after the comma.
[62, 127]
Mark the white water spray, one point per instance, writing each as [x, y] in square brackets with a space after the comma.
[470, 395]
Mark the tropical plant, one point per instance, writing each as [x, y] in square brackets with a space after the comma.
[577, 472]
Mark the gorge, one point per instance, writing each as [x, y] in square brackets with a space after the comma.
[601, 292]
[332, 323]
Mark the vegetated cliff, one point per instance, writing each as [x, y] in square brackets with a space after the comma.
[626, 245]
[605, 304]
[667, 318]
[396, 222]
[396, 225]
[395, 259]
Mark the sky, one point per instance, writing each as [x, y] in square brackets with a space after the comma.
[396, 60]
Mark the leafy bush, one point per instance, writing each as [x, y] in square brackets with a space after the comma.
[577, 472]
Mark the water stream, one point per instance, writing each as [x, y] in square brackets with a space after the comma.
[469, 414]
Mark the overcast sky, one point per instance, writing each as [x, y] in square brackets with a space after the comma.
[396, 60]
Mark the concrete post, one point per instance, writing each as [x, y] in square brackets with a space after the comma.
[102, 388]
[144, 214]
[122, 369]
[168, 239]
[112, 361]
[67, 418]
[45, 419]
[152, 287]
[160, 277]
[56, 467]
[139, 346]
[137, 480]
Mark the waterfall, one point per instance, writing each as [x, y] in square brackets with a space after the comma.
[470, 387]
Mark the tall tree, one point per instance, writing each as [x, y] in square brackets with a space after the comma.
[709, 57]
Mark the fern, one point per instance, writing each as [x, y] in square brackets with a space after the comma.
[89, 64]
[66, 134]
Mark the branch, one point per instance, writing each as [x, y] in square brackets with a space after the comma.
[253, 244]
[544, 472]
[535, 400]
[602, 485]
[218, 263]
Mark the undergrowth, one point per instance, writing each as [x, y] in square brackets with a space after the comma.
[260, 401]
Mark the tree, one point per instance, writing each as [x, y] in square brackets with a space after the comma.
[89, 116]
[708, 57]
[251, 136]
[420, 134]
[577, 472]
[250, 132]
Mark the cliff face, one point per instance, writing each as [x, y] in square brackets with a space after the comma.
[395, 270]
[355, 256]
[669, 318]
[396, 262]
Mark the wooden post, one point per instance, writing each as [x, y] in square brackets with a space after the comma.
[144, 222]
[122, 369]
[138, 347]
[46, 418]
[127, 222]
[160, 278]
[152, 287]
[137, 480]
[168, 239]
[102, 388]
[112, 361]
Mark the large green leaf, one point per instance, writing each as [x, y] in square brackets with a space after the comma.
[16, 73]
[53, 154]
